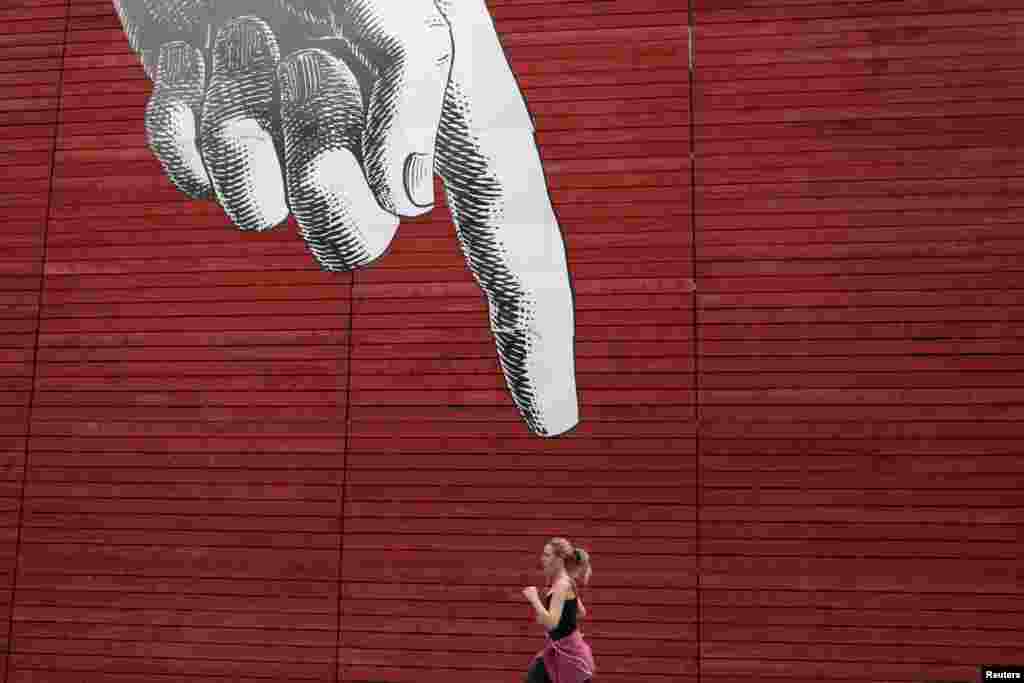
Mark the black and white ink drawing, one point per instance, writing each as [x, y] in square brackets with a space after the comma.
[340, 112]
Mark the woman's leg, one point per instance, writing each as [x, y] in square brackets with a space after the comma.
[538, 673]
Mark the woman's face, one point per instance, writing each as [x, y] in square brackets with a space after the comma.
[549, 561]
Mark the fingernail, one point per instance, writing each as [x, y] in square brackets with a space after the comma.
[419, 179]
[178, 64]
[243, 42]
[300, 77]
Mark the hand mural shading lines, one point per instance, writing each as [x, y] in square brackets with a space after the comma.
[339, 112]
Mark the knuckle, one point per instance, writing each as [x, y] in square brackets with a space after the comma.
[245, 42]
[434, 40]
[306, 63]
[420, 33]
[249, 22]
[150, 23]
[437, 42]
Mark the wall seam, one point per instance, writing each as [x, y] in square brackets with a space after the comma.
[35, 346]
[344, 473]
[695, 330]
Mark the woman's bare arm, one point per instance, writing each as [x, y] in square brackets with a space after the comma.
[559, 591]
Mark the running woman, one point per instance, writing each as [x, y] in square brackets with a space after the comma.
[566, 657]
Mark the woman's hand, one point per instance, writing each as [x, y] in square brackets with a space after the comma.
[531, 594]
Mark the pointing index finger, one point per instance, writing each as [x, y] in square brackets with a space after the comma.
[498, 196]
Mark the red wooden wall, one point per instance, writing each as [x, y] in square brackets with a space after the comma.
[800, 375]
[859, 272]
[31, 48]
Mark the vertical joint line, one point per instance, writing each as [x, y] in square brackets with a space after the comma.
[689, 43]
[695, 330]
[344, 476]
[35, 348]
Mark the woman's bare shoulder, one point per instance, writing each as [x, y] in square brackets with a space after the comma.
[563, 586]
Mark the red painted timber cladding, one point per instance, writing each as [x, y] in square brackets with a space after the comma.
[859, 273]
[209, 486]
[31, 48]
[188, 431]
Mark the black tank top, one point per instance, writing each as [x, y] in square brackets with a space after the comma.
[567, 624]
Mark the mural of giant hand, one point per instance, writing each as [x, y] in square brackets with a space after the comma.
[339, 112]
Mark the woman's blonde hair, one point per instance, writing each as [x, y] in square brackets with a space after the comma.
[576, 559]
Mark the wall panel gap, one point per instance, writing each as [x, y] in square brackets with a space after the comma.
[35, 346]
[695, 330]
